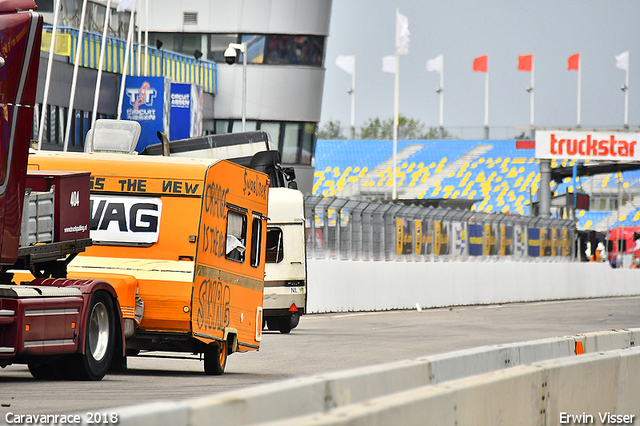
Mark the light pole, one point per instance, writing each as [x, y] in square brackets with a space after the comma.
[230, 58]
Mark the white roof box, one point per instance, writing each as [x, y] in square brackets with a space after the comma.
[116, 136]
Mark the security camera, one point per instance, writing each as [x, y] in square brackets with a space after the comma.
[230, 55]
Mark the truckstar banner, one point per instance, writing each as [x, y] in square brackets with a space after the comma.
[612, 146]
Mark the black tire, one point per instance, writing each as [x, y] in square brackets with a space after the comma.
[215, 358]
[295, 320]
[45, 371]
[273, 323]
[285, 324]
[99, 341]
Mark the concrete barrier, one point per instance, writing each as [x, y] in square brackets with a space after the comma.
[341, 286]
[545, 393]
[498, 383]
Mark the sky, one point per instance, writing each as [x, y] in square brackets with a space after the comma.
[551, 30]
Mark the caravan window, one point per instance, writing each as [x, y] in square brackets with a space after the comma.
[256, 236]
[236, 236]
[275, 246]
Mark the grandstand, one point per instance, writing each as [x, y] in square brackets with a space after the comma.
[505, 179]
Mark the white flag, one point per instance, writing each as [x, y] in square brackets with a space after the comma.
[126, 5]
[436, 64]
[402, 34]
[346, 63]
[389, 64]
[622, 60]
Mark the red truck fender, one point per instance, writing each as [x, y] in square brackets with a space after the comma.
[89, 287]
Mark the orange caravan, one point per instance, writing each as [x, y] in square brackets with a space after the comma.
[182, 241]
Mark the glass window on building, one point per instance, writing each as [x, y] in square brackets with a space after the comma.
[249, 125]
[222, 126]
[307, 50]
[273, 49]
[278, 50]
[290, 143]
[306, 153]
[255, 48]
[274, 131]
[296, 50]
[185, 43]
[218, 43]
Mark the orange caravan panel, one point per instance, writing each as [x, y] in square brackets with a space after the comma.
[229, 271]
[166, 223]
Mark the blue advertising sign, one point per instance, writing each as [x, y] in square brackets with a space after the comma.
[476, 235]
[534, 242]
[146, 101]
[186, 111]
[180, 111]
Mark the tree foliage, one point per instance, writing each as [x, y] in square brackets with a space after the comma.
[408, 128]
[375, 128]
[331, 130]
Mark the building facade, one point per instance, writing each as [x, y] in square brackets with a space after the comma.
[285, 42]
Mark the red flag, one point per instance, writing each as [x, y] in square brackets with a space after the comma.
[480, 64]
[574, 62]
[525, 62]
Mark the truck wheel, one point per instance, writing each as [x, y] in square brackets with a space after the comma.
[45, 371]
[215, 358]
[285, 324]
[295, 320]
[99, 338]
[273, 323]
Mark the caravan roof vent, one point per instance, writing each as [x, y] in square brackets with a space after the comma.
[118, 136]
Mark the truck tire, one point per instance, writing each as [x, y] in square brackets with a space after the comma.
[215, 358]
[99, 339]
[295, 320]
[45, 370]
[284, 324]
[273, 323]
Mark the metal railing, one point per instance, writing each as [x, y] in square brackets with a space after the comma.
[350, 229]
[178, 67]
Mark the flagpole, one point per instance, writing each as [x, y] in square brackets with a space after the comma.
[396, 107]
[146, 38]
[579, 88]
[74, 80]
[353, 100]
[626, 95]
[125, 66]
[442, 98]
[139, 60]
[96, 95]
[47, 80]
[532, 98]
[486, 104]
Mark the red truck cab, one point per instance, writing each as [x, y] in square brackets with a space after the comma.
[60, 328]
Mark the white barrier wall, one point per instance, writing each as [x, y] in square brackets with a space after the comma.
[529, 383]
[339, 286]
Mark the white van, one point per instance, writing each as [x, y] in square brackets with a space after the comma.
[285, 285]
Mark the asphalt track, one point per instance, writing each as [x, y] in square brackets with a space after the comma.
[321, 343]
